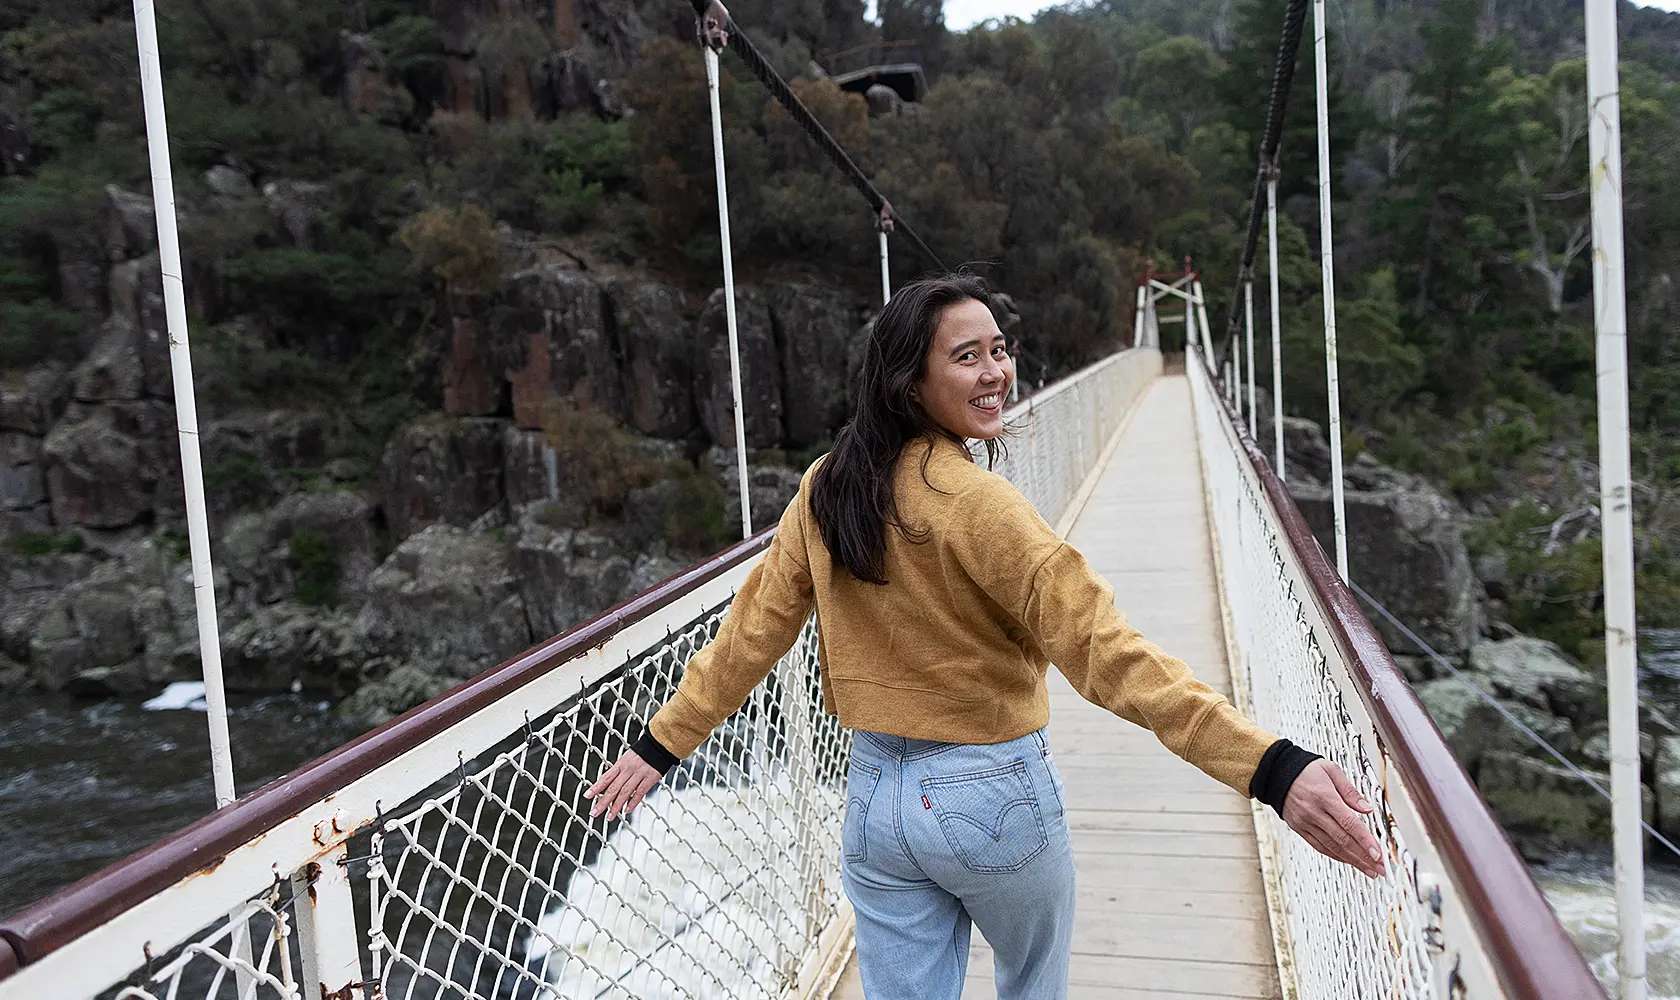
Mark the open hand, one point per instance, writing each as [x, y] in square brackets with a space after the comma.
[1325, 809]
[714, 26]
[623, 786]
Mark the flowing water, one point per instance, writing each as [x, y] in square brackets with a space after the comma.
[83, 784]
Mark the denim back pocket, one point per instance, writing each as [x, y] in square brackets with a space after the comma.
[861, 780]
[991, 818]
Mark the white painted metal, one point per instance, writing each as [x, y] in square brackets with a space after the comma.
[1237, 376]
[326, 925]
[886, 274]
[729, 290]
[1248, 328]
[1620, 622]
[1341, 936]
[1277, 335]
[186, 406]
[1137, 318]
[1201, 310]
[1326, 255]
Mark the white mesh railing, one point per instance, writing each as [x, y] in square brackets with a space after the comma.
[1440, 924]
[720, 884]
[450, 855]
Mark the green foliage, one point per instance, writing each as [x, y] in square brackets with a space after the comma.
[39, 544]
[314, 557]
[241, 471]
[696, 519]
[601, 458]
[458, 245]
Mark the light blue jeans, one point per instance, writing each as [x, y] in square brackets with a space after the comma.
[939, 835]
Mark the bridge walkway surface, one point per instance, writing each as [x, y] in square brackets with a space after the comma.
[1171, 904]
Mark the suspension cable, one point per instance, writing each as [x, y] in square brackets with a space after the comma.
[1283, 75]
[802, 115]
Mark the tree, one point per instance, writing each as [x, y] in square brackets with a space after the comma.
[1546, 133]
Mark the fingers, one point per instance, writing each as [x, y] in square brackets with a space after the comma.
[622, 787]
[1345, 789]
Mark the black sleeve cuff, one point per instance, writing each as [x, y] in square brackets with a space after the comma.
[1282, 764]
[654, 752]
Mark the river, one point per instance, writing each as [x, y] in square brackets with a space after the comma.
[86, 783]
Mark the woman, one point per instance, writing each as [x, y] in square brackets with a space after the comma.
[941, 598]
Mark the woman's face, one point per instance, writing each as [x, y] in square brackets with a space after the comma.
[968, 372]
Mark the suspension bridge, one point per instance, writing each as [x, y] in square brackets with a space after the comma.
[449, 854]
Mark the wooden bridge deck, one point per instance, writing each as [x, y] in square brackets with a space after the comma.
[1171, 905]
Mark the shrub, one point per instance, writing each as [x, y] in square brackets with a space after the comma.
[458, 245]
[41, 544]
[595, 455]
[314, 555]
[696, 517]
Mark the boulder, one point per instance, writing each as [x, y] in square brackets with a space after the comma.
[655, 336]
[761, 370]
[136, 293]
[1408, 546]
[441, 470]
[1537, 673]
[33, 401]
[22, 486]
[1472, 728]
[288, 646]
[296, 206]
[130, 224]
[378, 701]
[446, 601]
[769, 487]
[112, 371]
[344, 516]
[469, 388]
[815, 326]
[229, 182]
[1535, 799]
[566, 576]
[112, 465]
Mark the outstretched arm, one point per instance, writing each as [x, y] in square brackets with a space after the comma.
[1069, 609]
[762, 623]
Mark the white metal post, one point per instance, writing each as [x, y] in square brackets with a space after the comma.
[1190, 337]
[1248, 326]
[186, 404]
[1327, 257]
[1207, 331]
[326, 925]
[1137, 319]
[1237, 380]
[1615, 474]
[729, 290]
[886, 275]
[1277, 347]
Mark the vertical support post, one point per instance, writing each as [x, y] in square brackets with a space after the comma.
[1237, 379]
[1604, 126]
[1207, 331]
[186, 404]
[1327, 258]
[886, 275]
[1137, 320]
[1191, 338]
[1277, 346]
[326, 927]
[1248, 326]
[729, 290]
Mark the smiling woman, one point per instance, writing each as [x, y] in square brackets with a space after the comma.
[942, 598]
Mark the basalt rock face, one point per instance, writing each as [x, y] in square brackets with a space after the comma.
[384, 572]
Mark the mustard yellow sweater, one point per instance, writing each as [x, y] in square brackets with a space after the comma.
[956, 645]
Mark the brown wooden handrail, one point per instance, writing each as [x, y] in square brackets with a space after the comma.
[43, 927]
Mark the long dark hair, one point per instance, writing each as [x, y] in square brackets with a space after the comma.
[852, 492]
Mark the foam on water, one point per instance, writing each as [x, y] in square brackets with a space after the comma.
[178, 695]
[1582, 893]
